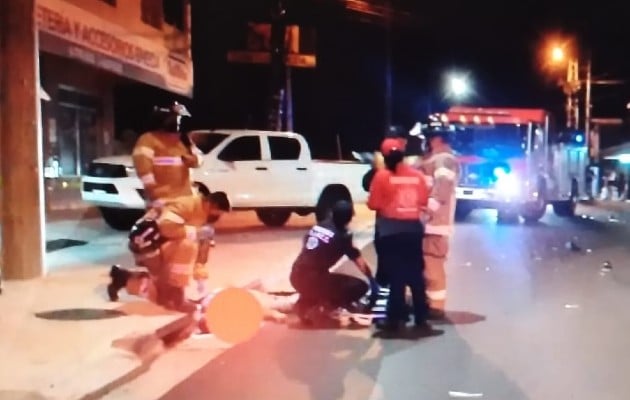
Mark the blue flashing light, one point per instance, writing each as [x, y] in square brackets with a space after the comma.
[579, 138]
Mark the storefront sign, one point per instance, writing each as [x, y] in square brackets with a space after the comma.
[73, 32]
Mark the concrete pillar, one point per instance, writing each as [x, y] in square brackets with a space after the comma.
[21, 162]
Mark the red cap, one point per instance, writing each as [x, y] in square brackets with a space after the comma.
[391, 144]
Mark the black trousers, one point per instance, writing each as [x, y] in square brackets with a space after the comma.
[326, 289]
[381, 272]
[401, 256]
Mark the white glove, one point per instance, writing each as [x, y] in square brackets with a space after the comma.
[202, 289]
[158, 204]
[206, 232]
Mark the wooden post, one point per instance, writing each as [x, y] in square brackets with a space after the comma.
[23, 246]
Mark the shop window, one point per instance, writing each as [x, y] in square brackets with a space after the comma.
[152, 13]
[110, 2]
[75, 144]
[175, 13]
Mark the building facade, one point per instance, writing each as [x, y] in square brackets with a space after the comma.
[90, 51]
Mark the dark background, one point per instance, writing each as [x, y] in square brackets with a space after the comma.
[497, 43]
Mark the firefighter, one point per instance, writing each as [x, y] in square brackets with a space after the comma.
[166, 242]
[399, 194]
[162, 157]
[442, 169]
[320, 291]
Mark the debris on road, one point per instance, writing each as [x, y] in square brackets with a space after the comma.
[572, 245]
[606, 266]
[464, 395]
[589, 250]
[613, 218]
[571, 306]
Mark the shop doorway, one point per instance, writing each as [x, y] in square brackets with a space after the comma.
[77, 132]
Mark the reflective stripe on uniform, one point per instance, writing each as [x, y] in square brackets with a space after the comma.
[148, 179]
[433, 204]
[191, 232]
[441, 230]
[436, 294]
[167, 161]
[143, 151]
[180, 268]
[172, 217]
[404, 180]
[444, 172]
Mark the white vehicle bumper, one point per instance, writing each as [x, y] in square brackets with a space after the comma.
[488, 198]
[113, 192]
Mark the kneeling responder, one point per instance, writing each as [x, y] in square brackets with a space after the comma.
[320, 291]
[399, 195]
[167, 243]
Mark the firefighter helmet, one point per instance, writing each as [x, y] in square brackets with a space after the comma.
[145, 236]
[169, 118]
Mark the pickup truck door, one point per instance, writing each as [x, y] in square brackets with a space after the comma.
[290, 176]
[241, 172]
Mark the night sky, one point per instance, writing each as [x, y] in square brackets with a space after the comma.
[498, 44]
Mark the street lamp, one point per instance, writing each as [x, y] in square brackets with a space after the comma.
[557, 54]
[457, 86]
[571, 85]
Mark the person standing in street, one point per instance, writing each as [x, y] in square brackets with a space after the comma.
[399, 194]
[163, 156]
[442, 169]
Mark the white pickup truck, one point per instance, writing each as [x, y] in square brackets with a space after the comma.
[269, 172]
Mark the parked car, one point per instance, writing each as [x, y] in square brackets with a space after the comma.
[269, 172]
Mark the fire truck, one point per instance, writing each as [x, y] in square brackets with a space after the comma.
[513, 161]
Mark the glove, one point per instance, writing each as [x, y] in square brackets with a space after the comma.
[158, 204]
[206, 232]
[202, 289]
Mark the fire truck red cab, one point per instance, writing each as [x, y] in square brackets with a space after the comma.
[511, 161]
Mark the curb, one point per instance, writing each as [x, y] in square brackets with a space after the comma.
[148, 348]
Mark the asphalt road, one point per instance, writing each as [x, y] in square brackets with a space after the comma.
[530, 319]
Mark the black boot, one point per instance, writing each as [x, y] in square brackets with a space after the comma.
[119, 278]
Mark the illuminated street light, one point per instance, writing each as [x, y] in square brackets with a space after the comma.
[557, 54]
[457, 86]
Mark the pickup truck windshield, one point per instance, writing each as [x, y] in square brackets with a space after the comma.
[207, 141]
[497, 141]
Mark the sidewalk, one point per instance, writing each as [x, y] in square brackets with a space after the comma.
[61, 339]
[610, 205]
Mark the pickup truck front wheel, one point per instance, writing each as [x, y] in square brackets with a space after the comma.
[274, 217]
[120, 219]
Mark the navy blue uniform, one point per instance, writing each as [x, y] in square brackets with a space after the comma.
[323, 246]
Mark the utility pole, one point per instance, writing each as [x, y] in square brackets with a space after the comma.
[278, 66]
[388, 66]
[587, 111]
[23, 218]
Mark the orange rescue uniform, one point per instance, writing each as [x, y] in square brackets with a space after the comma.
[162, 163]
[182, 255]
